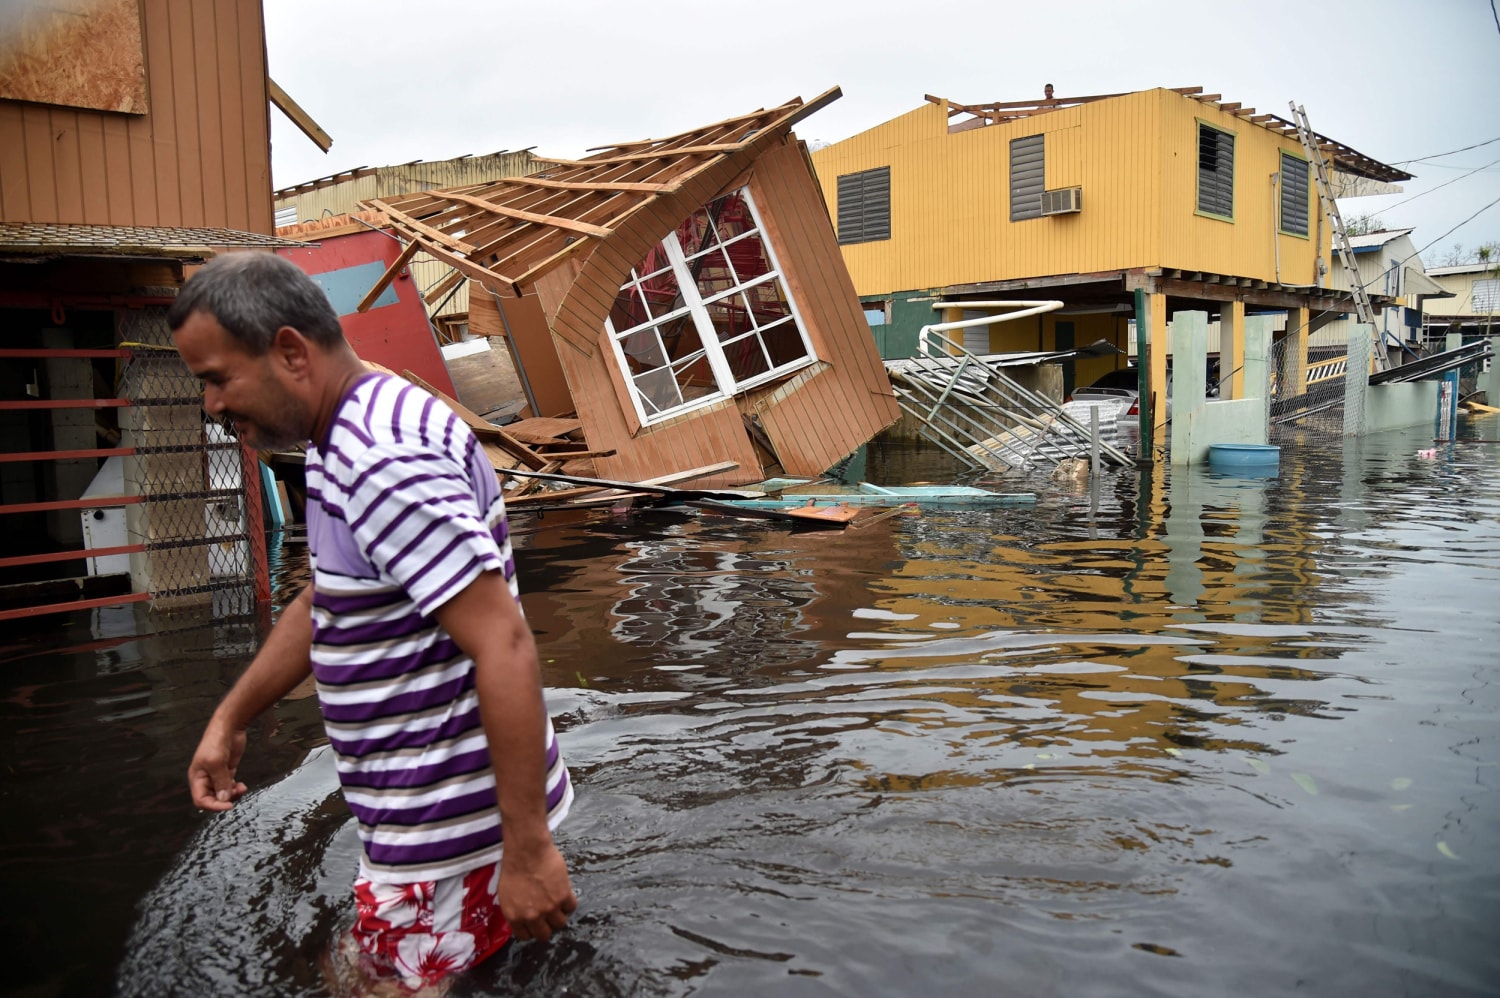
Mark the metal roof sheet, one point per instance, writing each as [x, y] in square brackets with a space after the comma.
[1373, 240]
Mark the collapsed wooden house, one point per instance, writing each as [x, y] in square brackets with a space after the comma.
[683, 297]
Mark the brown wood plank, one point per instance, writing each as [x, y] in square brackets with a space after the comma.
[210, 119]
[92, 173]
[40, 164]
[442, 239]
[119, 184]
[254, 117]
[289, 107]
[530, 216]
[15, 193]
[233, 178]
[541, 430]
[594, 185]
[183, 107]
[154, 145]
[402, 258]
[67, 160]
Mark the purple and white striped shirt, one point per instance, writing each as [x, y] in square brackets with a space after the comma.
[403, 512]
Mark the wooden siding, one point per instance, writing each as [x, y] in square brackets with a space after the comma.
[831, 414]
[813, 421]
[1134, 156]
[1247, 246]
[199, 158]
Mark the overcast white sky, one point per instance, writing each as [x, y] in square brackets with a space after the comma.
[396, 80]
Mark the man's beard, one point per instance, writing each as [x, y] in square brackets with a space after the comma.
[280, 435]
[286, 425]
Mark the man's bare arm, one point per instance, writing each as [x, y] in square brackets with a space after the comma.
[535, 893]
[282, 662]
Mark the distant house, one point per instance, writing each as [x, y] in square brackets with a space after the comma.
[447, 295]
[1393, 274]
[1197, 202]
[1474, 305]
[685, 297]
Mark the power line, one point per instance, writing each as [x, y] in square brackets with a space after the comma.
[1440, 155]
[1440, 186]
[1460, 225]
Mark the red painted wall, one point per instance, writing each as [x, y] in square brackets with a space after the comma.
[395, 332]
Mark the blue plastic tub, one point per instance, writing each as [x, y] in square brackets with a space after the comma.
[1244, 457]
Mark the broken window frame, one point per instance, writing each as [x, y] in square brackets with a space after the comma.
[694, 305]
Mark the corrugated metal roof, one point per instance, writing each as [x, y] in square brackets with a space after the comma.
[52, 239]
[1371, 240]
[1462, 268]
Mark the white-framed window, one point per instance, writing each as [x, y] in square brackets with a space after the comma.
[706, 314]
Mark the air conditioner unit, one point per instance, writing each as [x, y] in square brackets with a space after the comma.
[1063, 201]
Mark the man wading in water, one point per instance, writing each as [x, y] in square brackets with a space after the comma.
[426, 671]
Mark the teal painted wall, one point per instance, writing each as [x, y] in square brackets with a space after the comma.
[909, 312]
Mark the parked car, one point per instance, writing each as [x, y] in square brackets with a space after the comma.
[1117, 396]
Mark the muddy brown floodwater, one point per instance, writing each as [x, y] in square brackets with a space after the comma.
[1223, 736]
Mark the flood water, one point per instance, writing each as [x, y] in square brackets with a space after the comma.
[1222, 736]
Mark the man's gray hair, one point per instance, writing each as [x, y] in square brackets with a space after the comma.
[254, 294]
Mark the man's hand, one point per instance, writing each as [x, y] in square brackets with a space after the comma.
[535, 894]
[280, 665]
[211, 781]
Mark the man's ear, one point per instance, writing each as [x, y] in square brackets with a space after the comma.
[291, 351]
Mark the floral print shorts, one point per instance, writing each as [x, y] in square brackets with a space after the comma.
[422, 932]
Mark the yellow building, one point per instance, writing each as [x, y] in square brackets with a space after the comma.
[1473, 302]
[1198, 203]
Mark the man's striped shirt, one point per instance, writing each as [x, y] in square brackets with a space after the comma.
[403, 512]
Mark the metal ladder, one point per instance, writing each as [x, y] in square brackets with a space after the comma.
[1362, 309]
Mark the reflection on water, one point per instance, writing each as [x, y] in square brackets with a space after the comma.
[1199, 735]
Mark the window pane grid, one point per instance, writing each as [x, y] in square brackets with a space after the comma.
[727, 296]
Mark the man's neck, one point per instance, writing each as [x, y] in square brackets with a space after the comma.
[344, 369]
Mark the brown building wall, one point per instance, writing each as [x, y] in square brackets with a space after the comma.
[200, 156]
[814, 418]
[833, 412]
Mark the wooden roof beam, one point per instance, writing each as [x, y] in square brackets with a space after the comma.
[594, 185]
[697, 131]
[402, 259]
[414, 226]
[299, 117]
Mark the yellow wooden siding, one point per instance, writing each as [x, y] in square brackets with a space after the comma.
[1247, 246]
[950, 196]
[407, 178]
[1135, 158]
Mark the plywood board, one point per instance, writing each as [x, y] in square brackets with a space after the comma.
[76, 53]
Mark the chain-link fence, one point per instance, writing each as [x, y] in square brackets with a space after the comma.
[1309, 390]
[191, 475]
